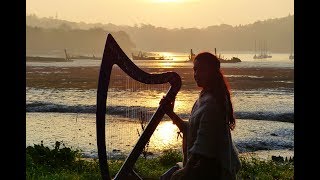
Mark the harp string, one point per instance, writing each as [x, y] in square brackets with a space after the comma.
[130, 106]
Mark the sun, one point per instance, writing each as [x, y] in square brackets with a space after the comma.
[168, 1]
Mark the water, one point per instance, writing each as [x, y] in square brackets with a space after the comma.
[68, 114]
[280, 60]
[78, 131]
[247, 104]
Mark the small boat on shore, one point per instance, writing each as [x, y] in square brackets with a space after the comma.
[67, 58]
[221, 59]
[93, 57]
[224, 60]
[143, 56]
[46, 59]
[86, 57]
[232, 60]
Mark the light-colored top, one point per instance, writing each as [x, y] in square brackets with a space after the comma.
[209, 134]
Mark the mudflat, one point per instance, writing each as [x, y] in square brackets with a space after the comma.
[87, 77]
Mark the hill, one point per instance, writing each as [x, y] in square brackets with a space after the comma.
[89, 42]
[277, 33]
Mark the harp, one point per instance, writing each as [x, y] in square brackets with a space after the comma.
[112, 55]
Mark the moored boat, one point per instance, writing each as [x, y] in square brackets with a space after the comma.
[46, 59]
[143, 56]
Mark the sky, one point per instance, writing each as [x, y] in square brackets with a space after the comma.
[162, 13]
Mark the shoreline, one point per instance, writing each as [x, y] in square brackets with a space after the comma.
[263, 155]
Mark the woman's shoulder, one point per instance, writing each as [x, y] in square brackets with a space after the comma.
[208, 99]
[209, 102]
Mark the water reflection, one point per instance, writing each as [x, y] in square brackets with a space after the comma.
[79, 131]
[165, 136]
[167, 64]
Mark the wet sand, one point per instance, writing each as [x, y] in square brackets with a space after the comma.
[87, 77]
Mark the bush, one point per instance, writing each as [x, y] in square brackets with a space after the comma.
[254, 168]
[55, 158]
[170, 157]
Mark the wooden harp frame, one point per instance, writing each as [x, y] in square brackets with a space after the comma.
[113, 54]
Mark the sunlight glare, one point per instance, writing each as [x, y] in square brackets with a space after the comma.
[167, 132]
[166, 54]
[167, 64]
[167, 1]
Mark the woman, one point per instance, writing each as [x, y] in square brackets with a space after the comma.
[211, 153]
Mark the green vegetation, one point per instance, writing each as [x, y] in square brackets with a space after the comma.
[253, 168]
[65, 163]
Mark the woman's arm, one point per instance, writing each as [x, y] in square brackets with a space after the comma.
[183, 127]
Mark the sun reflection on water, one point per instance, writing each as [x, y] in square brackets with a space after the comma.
[167, 64]
[165, 135]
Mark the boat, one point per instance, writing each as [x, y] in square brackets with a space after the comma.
[220, 58]
[191, 56]
[224, 60]
[48, 59]
[232, 60]
[44, 59]
[262, 56]
[263, 52]
[86, 57]
[144, 56]
[291, 56]
[68, 56]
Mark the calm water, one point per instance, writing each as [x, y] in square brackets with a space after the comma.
[278, 60]
[68, 115]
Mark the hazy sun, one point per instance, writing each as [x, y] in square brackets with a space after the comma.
[167, 1]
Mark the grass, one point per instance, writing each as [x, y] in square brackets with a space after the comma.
[65, 163]
[254, 168]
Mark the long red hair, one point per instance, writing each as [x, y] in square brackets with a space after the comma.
[219, 85]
